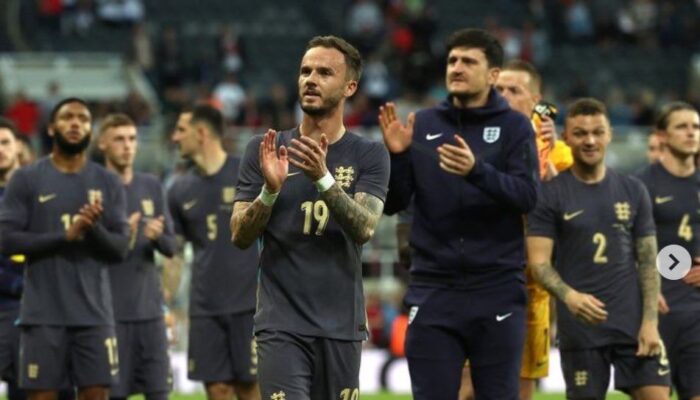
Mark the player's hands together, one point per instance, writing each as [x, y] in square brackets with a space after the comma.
[274, 167]
[154, 228]
[397, 136]
[456, 159]
[586, 307]
[86, 219]
[310, 156]
[649, 339]
[693, 276]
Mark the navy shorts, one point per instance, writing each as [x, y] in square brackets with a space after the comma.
[58, 357]
[9, 344]
[587, 371]
[448, 326]
[144, 364]
[302, 367]
[222, 349]
[681, 334]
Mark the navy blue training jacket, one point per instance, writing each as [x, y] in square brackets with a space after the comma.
[467, 232]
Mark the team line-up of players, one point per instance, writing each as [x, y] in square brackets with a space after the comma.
[481, 179]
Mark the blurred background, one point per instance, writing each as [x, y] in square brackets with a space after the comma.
[149, 58]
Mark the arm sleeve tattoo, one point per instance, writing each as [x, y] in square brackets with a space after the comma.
[358, 216]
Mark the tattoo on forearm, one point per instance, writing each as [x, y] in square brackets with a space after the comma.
[549, 278]
[648, 277]
[358, 216]
[248, 222]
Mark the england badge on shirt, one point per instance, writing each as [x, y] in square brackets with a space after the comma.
[491, 133]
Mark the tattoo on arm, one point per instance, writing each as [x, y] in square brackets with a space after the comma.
[549, 278]
[648, 277]
[358, 216]
[248, 222]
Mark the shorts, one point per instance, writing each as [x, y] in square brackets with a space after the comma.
[308, 368]
[9, 344]
[222, 349]
[681, 334]
[57, 357]
[587, 371]
[144, 364]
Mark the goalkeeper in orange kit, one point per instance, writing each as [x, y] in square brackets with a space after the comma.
[521, 85]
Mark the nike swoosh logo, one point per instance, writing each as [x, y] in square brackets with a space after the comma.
[662, 200]
[500, 318]
[431, 136]
[47, 197]
[663, 372]
[293, 173]
[189, 204]
[570, 216]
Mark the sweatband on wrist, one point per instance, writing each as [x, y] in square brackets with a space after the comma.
[325, 183]
[266, 197]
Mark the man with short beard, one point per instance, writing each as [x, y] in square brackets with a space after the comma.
[471, 166]
[314, 194]
[67, 215]
[673, 183]
[221, 347]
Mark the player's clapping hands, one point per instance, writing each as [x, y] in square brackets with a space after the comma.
[154, 228]
[586, 307]
[274, 167]
[693, 276]
[397, 136]
[310, 156]
[87, 217]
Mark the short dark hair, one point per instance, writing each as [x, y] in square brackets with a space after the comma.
[62, 103]
[353, 59]
[6, 123]
[524, 66]
[480, 39]
[115, 121]
[664, 116]
[209, 115]
[586, 106]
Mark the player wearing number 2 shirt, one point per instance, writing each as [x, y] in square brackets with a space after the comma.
[674, 187]
[222, 295]
[605, 276]
[67, 215]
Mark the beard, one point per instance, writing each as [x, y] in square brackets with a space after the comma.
[325, 108]
[71, 148]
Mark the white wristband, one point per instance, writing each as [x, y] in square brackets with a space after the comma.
[266, 197]
[325, 183]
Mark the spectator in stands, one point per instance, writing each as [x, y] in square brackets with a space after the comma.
[231, 49]
[232, 96]
[25, 113]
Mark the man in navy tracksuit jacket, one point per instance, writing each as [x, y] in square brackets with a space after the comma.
[470, 165]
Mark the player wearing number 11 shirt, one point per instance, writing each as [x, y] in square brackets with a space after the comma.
[315, 195]
[604, 276]
[67, 215]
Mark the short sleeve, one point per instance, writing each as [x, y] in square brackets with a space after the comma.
[374, 176]
[250, 179]
[542, 221]
[644, 221]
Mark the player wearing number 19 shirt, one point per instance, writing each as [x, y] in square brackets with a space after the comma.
[315, 195]
[674, 186]
[221, 349]
[605, 276]
[68, 216]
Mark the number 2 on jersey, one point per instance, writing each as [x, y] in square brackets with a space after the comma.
[319, 211]
[602, 242]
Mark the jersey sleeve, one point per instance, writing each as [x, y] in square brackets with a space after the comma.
[644, 221]
[174, 209]
[374, 178]
[250, 178]
[542, 221]
[166, 242]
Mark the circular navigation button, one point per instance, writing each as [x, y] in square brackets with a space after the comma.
[673, 262]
